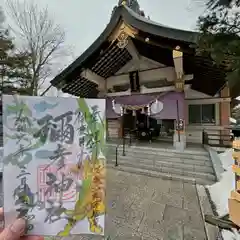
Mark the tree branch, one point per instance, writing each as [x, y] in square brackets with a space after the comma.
[40, 36]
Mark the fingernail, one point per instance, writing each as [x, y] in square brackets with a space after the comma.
[18, 226]
[35, 238]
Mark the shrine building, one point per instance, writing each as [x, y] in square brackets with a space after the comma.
[150, 74]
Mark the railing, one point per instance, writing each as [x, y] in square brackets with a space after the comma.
[116, 157]
[123, 143]
[130, 133]
[131, 137]
[204, 138]
[217, 140]
[123, 150]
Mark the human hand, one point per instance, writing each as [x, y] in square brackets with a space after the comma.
[16, 230]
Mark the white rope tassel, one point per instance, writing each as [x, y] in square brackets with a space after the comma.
[148, 110]
[134, 112]
[113, 104]
[121, 111]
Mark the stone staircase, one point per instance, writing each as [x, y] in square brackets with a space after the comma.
[192, 165]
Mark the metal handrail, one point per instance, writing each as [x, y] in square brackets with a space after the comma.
[206, 137]
[123, 143]
[123, 150]
[116, 151]
[116, 157]
[131, 137]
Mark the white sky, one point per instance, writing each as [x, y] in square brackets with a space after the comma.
[83, 21]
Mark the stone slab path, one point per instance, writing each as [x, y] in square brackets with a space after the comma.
[140, 207]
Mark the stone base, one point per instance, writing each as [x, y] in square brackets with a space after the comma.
[180, 146]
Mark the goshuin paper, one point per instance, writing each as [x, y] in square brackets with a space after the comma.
[54, 164]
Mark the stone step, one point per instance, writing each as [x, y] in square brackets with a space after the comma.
[160, 159]
[167, 163]
[160, 155]
[196, 152]
[161, 175]
[194, 173]
[154, 153]
[187, 167]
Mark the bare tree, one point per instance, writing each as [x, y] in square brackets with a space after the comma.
[40, 36]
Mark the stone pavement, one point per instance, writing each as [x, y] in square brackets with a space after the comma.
[140, 207]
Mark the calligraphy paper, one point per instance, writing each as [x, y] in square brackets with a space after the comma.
[54, 164]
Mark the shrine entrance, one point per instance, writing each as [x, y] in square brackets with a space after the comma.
[141, 126]
[167, 129]
[150, 118]
[137, 124]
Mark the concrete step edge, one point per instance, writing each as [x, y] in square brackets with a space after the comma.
[164, 176]
[194, 162]
[159, 154]
[150, 149]
[202, 158]
[129, 153]
[179, 165]
[170, 170]
[162, 153]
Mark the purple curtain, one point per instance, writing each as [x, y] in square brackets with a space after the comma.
[169, 101]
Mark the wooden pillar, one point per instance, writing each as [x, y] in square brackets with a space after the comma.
[120, 132]
[186, 113]
[225, 113]
[179, 139]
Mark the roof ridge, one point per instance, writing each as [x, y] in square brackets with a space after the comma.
[143, 18]
[135, 20]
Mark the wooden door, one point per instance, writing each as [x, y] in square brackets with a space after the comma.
[113, 128]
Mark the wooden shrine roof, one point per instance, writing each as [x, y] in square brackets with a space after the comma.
[105, 58]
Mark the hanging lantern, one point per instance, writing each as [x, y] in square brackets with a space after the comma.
[156, 107]
[117, 108]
